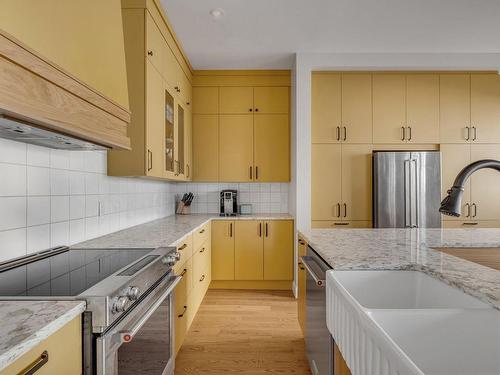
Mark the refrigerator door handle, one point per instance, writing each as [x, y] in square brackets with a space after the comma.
[415, 184]
[407, 193]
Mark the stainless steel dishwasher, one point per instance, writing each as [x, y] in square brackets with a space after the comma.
[319, 343]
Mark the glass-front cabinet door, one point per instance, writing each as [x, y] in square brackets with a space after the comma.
[170, 141]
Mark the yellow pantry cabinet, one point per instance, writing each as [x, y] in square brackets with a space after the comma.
[160, 100]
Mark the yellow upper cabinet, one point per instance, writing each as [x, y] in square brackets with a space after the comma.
[271, 148]
[326, 107]
[357, 109]
[235, 100]
[389, 108]
[156, 48]
[236, 148]
[422, 118]
[84, 37]
[206, 148]
[206, 100]
[485, 108]
[454, 108]
[272, 100]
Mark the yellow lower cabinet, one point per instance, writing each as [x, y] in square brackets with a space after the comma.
[201, 236]
[472, 224]
[278, 250]
[223, 250]
[64, 350]
[248, 254]
[181, 314]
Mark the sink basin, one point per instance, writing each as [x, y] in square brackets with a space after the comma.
[458, 342]
[401, 290]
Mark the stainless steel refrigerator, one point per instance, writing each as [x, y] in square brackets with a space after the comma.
[406, 189]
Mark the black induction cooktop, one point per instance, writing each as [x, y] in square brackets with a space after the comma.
[67, 272]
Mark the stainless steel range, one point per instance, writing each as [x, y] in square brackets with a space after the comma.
[128, 323]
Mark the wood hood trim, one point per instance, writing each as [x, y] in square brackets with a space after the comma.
[36, 90]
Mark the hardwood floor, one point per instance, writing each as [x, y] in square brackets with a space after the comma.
[244, 332]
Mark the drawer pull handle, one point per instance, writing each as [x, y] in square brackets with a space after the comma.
[341, 223]
[183, 247]
[470, 223]
[301, 266]
[36, 364]
[202, 278]
[183, 272]
[183, 312]
[202, 231]
[150, 53]
[202, 250]
[301, 242]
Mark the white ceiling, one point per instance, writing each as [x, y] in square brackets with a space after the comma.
[265, 34]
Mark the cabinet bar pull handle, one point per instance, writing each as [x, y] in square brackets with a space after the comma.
[183, 272]
[202, 278]
[403, 133]
[301, 266]
[467, 137]
[409, 133]
[475, 210]
[337, 132]
[468, 209]
[150, 53]
[260, 229]
[338, 209]
[202, 250]
[183, 247]
[345, 210]
[230, 229]
[341, 223]
[250, 172]
[187, 171]
[301, 242]
[267, 230]
[202, 231]
[36, 364]
[470, 223]
[256, 172]
[475, 133]
[150, 160]
[345, 133]
[183, 312]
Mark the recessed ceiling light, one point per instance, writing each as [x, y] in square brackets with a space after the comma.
[217, 13]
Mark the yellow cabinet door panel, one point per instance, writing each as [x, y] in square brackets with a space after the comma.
[341, 224]
[248, 250]
[235, 148]
[326, 181]
[389, 108]
[171, 68]
[180, 316]
[235, 100]
[357, 112]
[484, 184]
[454, 108]
[206, 100]
[326, 107]
[271, 148]
[223, 250]
[205, 148]
[278, 250]
[453, 158]
[64, 348]
[155, 122]
[188, 145]
[356, 182]
[156, 47]
[422, 98]
[271, 99]
[485, 107]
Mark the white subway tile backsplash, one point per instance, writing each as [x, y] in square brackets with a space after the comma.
[37, 238]
[38, 181]
[51, 197]
[38, 210]
[12, 212]
[12, 244]
[13, 180]
[12, 152]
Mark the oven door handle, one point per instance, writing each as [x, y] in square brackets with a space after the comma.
[128, 336]
[317, 280]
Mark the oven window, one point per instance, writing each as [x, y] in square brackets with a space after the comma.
[150, 349]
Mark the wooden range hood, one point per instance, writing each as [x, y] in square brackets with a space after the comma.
[37, 92]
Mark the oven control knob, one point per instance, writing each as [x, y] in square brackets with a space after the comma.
[120, 304]
[133, 292]
[177, 256]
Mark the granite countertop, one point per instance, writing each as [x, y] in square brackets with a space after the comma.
[167, 231]
[26, 323]
[411, 249]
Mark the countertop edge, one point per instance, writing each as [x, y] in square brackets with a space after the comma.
[17, 351]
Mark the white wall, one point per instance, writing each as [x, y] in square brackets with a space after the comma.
[305, 63]
[50, 198]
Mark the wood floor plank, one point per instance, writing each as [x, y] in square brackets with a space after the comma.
[244, 332]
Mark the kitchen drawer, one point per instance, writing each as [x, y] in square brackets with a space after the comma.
[185, 248]
[200, 236]
[64, 349]
[201, 261]
[341, 224]
[196, 297]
